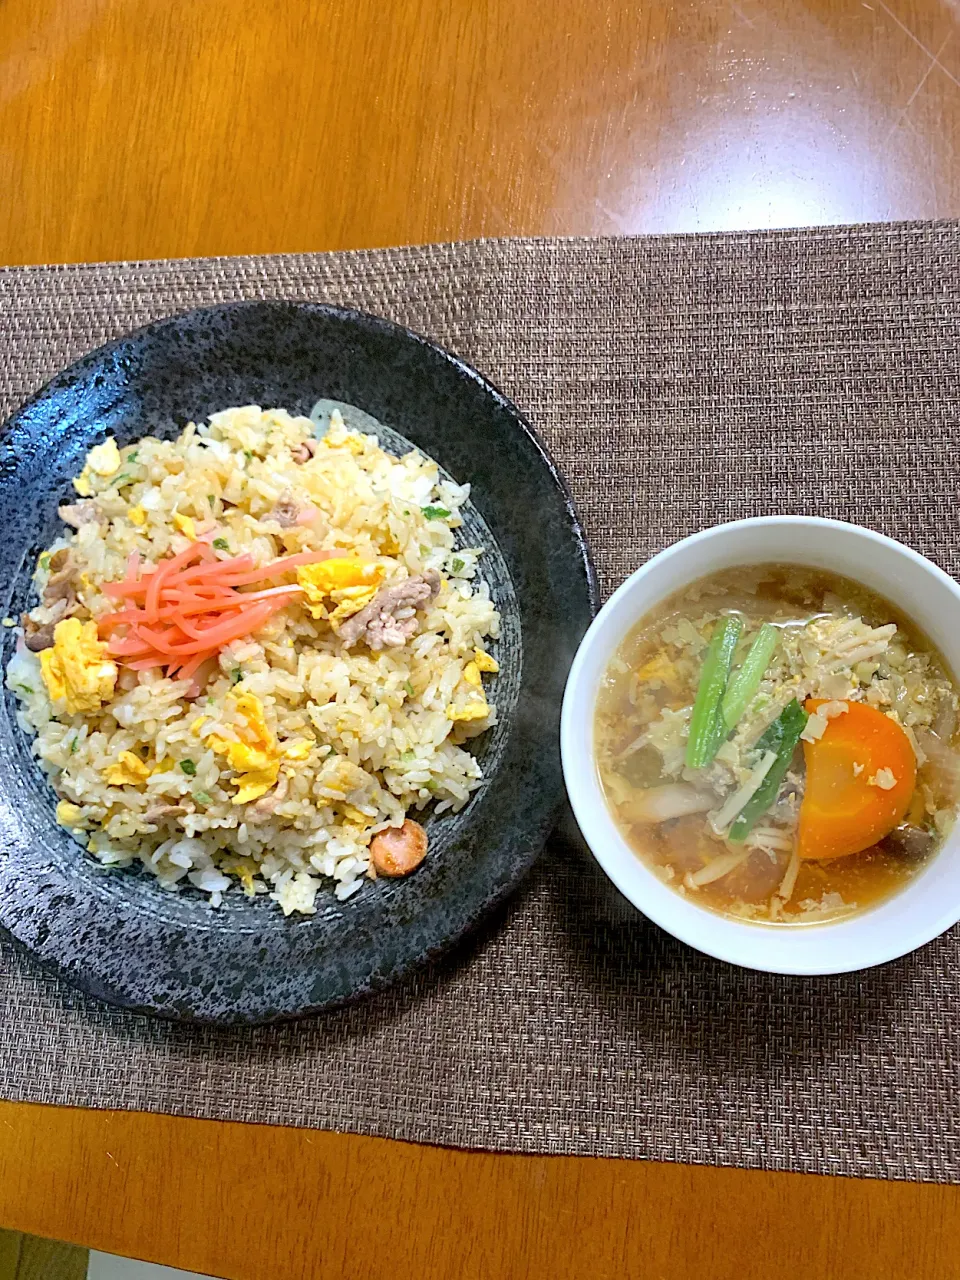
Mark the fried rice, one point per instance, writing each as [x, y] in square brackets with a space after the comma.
[357, 737]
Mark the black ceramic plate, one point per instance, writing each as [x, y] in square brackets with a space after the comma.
[118, 935]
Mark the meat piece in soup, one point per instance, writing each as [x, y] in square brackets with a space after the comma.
[780, 744]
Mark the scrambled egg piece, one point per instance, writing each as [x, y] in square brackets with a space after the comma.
[354, 443]
[256, 783]
[485, 662]
[102, 460]
[338, 437]
[68, 815]
[186, 526]
[137, 515]
[342, 776]
[129, 771]
[298, 750]
[471, 673]
[257, 759]
[251, 708]
[350, 583]
[77, 668]
[472, 711]
[105, 458]
[659, 669]
[477, 708]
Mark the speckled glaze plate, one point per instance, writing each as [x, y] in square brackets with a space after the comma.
[117, 934]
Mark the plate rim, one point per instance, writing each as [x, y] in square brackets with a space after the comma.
[482, 910]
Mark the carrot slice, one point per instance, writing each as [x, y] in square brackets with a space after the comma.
[119, 618]
[191, 666]
[126, 588]
[163, 574]
[130, 579]
[245, 624]
[220, 570]
[181, 612]
[198, 632]
[130, 588]
[283, 566]
[861, 776]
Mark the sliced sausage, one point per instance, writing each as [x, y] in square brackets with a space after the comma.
[399, 850]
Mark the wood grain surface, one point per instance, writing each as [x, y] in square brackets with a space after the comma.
[142, 128]
[254, 1203]
[148, 128]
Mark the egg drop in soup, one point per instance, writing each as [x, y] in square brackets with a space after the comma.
[779, 744]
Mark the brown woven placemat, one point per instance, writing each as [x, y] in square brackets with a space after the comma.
[680, 382]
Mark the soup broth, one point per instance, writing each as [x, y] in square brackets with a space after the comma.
[779, 744]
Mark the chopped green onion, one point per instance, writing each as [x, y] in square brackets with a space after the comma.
[211, 702]
[189, 768]
[132, 457]
[745, 682]
[435, 513]
[456, 564]
[221, 544]
[409, 687]
[73, 745]
[781, 737]
[408, 756]
[706, 723]
[44, 561]
[236, 675]
[122, 480]
[212, 499]
[248, 454]
[739, 799]
[201, 797]
[24, 688]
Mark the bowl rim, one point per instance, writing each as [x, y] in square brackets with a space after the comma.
[679, 916]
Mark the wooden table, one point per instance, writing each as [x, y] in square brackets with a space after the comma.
[142, 128]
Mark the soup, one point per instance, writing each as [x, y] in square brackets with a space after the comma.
[779, 744]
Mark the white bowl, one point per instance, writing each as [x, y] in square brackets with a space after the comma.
[927, 906]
